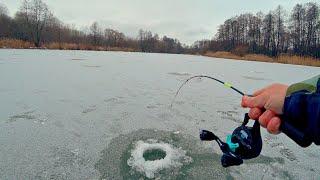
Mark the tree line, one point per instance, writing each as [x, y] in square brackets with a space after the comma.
[274, 33]
[34, 22]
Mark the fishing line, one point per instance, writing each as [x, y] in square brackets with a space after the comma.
[245, 142]
[226, 84]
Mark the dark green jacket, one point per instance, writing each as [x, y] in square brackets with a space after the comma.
[302, 107]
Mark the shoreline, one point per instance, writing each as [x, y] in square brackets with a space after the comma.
[283, 58]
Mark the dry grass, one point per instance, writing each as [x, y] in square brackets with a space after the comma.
[13, 43]
[61, 46]
[285, 59]
[19, 44]
[71, 46]
[307, 61]
[258, 57]
[120, 49]
[222, 54]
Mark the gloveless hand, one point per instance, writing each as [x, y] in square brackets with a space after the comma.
[266, 105]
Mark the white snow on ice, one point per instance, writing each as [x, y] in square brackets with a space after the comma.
[175, 157]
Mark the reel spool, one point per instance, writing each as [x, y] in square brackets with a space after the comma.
[244, 143]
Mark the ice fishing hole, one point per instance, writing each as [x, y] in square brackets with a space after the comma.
[154, 154]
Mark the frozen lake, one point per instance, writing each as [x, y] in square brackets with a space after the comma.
[79, 115]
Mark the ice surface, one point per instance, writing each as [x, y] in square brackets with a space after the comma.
[60, 109]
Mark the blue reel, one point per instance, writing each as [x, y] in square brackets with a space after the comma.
[244, 143]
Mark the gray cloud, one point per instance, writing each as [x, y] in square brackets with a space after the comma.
[187, 20]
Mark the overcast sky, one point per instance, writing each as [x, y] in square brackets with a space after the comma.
[187, 20]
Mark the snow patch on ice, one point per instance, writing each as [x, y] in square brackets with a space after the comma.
[175, 157]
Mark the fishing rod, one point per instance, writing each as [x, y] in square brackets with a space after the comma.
[226, 84]
[245, 142]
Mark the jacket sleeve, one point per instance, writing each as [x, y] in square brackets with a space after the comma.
[302, 107]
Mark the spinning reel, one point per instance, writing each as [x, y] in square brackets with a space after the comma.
[244, 143]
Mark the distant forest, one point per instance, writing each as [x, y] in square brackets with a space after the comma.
[278, 32]
[271, 34]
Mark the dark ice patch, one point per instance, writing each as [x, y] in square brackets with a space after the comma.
[78, 59]
[179, 74]
[89, 109]
[256, 78]
[230, 115]
[29, 115]
[151, 107]
[288, 154]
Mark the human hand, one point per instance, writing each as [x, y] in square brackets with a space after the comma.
[266, 105]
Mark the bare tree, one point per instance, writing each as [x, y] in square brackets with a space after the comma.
[96, 34]
[317, 50]
[271, 34]
[5, 22]
[114, 38]
[279, 30]
[297, 26]
[304, 25]
[312, 19]
[34, 16]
